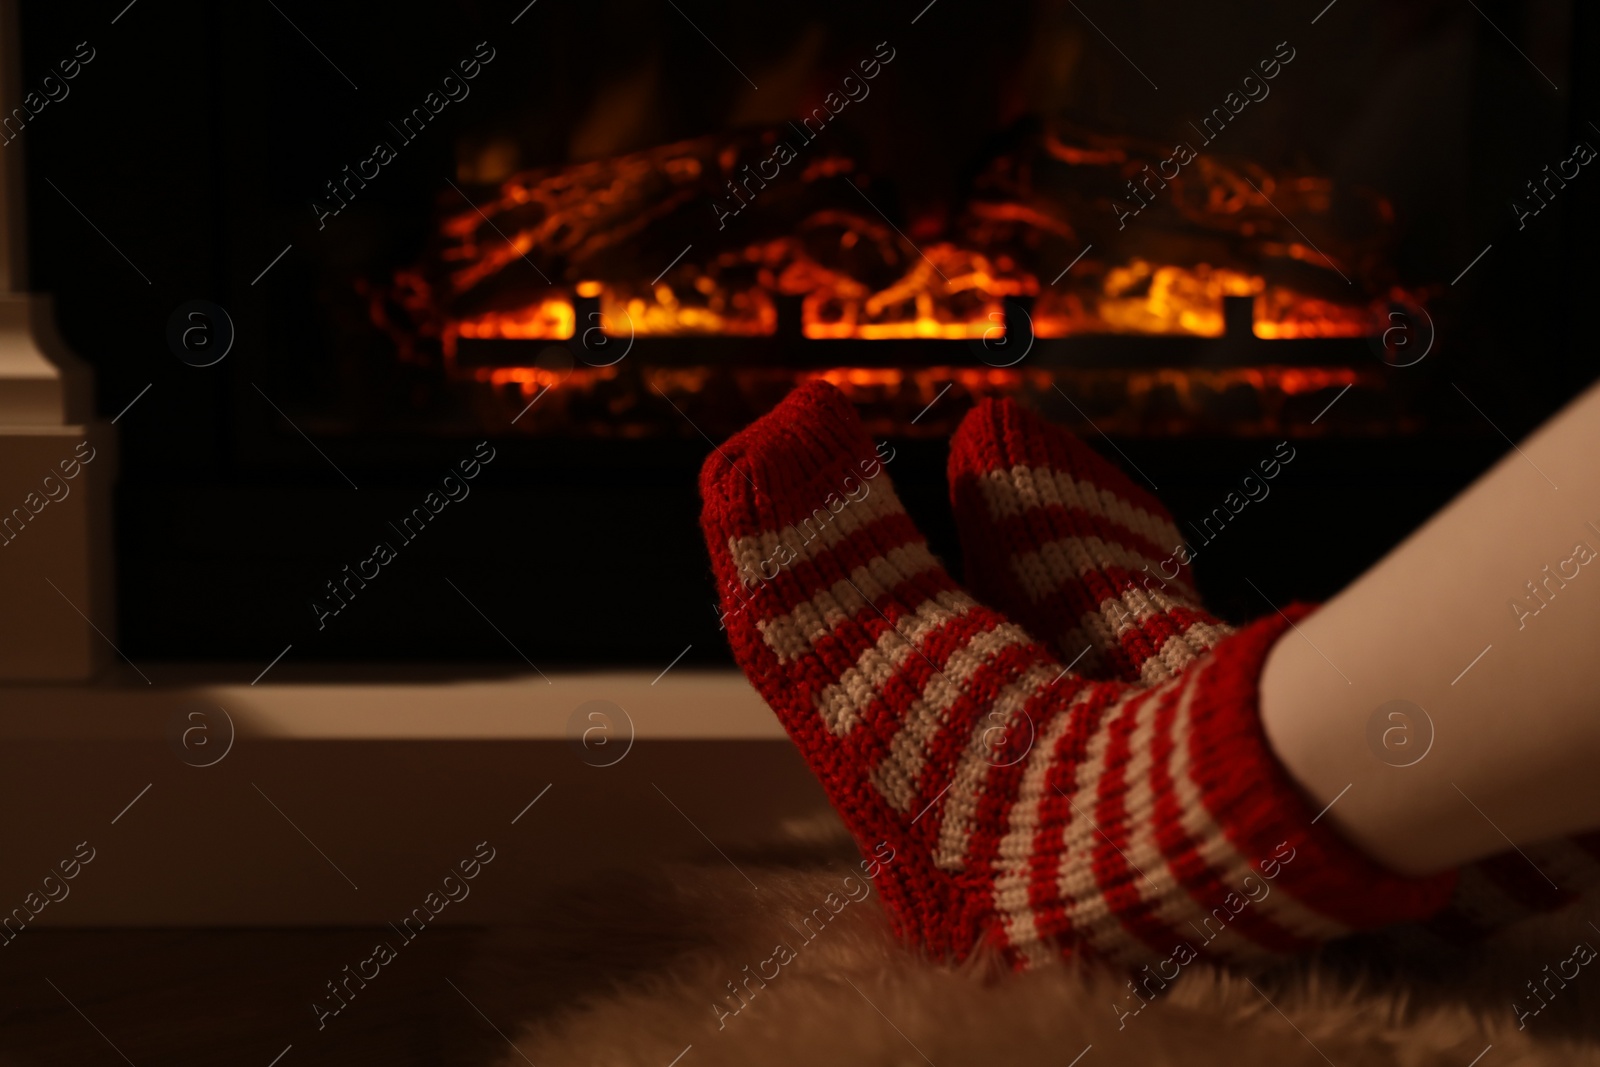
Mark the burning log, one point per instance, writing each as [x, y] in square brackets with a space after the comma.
[1155, 239]
[1166, 233]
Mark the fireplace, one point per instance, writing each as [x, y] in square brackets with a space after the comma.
[535, 284]
[591, 240]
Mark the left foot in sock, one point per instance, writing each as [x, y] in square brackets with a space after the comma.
[1026, 807]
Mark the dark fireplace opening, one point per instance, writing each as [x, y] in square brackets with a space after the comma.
[567, 247]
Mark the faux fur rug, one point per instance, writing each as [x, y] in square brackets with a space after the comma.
[649, 969]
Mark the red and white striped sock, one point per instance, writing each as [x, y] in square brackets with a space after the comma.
[1062, 540]
[1081, 555]
[1027, 807]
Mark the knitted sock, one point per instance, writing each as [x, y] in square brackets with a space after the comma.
[1080, 555]
[1024, 807]
[1066, 543]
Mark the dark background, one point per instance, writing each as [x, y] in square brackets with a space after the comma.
[199, 135]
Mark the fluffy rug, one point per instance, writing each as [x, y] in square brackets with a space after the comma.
[717, 963]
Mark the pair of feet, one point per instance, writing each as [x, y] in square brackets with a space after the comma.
[1084, 774]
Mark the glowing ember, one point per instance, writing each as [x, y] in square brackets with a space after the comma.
[1141, 298]
[1265, 400]
[551, 318]
[730, 294]
[949, 293]
[522, 262]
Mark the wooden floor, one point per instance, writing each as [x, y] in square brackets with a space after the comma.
[174, 998]
[454, 996]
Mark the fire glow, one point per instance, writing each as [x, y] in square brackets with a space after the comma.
[589, 229]
[622, 248]
[964, 301]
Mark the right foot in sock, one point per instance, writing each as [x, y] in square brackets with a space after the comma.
[1058, 536]
[1062, 540]
[1027, 807]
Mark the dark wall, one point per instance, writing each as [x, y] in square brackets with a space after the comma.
[190, 150]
